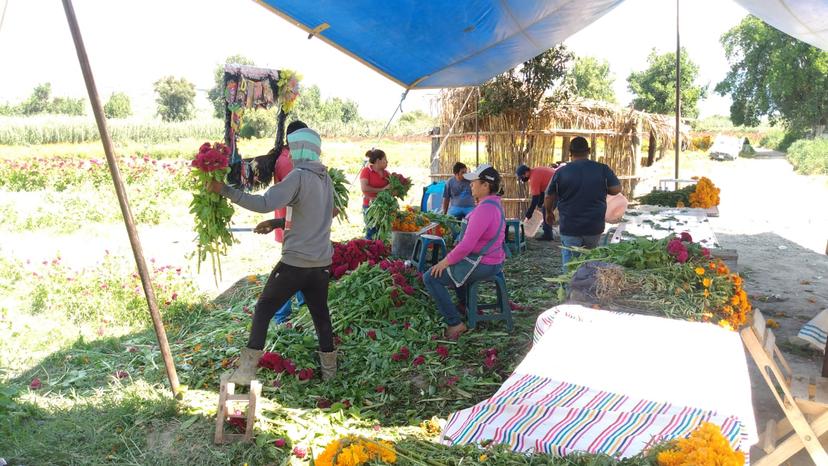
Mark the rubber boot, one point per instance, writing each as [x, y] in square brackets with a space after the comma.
[328, 363]
[248, 363]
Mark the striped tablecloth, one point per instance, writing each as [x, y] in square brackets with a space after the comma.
[605, 382]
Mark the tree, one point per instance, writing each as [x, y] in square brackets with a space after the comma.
[175, 98]
[38, 102]
[520, 91]
[216, 93]
[593, 79]
[118, 106]
[655, 87]
[774, 75]
[67, 106]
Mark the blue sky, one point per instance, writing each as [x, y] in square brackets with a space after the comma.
[133, 43]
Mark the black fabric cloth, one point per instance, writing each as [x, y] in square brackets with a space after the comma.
[581, 187]
[284, 281]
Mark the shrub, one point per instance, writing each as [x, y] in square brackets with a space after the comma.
[809, 156]
[118, 106]
[258, 123]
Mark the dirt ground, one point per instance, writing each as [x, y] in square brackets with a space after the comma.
[778, 223]
[774, 218]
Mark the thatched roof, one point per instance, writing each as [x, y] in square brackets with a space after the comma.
[578, 115]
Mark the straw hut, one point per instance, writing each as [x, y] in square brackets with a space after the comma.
[616, 135]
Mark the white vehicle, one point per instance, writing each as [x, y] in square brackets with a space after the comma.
[726, 148]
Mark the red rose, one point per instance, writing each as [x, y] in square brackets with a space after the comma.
[299, 452]
[35, 384]
[452, 380]
[323, 403]
[686, 237]
[289, 366]
[442, 351]
[418, 361]
[379, 389]
[305, 374]
[279, 442]
[372, 334]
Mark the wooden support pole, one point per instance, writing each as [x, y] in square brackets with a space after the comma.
[565, 149]
[120, 191]
[678, 93]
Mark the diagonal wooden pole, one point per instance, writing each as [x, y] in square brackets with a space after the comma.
[132, 232]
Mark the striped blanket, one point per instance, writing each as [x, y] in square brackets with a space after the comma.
[815, 332]
[613, 383]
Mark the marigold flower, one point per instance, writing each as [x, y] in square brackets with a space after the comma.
[707, 282]
[699, 271]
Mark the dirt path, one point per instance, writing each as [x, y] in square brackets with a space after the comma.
[778, 223]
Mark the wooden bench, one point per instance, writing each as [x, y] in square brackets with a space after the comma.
[802, 397]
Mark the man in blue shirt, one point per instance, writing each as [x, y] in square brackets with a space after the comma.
[579, 189]
[457, 198]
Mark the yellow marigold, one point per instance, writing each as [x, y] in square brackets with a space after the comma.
[707, 282]
[734, 300]
[772, 323]
[252, 279]
[352, 455]
[706, 293]
[705, 446]
[699, 271]
[725, 324]
[483, 458]
[326, 458]
[383, 450]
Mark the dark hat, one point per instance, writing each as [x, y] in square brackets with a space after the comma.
[521, 171]
[579, 145]
[483, 172]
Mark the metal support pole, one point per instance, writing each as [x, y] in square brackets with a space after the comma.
[477, 130]
[132, 232]
[678, 93]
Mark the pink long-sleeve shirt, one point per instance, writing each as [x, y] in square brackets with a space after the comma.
[484, 224]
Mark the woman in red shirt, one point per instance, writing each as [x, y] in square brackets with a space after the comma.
[373, 178]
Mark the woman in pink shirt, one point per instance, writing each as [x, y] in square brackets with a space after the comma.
[483, 235]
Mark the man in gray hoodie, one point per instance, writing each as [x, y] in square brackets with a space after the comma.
[307, 192]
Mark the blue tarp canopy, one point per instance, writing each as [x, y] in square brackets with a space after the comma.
[457, 43]
[441, 43]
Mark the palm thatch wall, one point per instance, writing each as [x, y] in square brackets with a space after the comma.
[616, 135]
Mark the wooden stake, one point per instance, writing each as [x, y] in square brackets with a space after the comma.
[97, 109]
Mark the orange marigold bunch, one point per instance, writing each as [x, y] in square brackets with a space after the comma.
[354, 451]
[408, 220]
[705, 446]
[723, 291]
[706, 194]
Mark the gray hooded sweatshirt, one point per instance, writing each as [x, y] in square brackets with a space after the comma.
[308, 191]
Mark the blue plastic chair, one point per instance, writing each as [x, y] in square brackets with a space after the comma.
[517, 241]
[436, 188]
[504, 311]
[419, 256]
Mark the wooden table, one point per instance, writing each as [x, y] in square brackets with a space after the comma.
[659, 224]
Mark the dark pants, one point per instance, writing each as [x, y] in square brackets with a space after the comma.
[537, 202]
[285, 281]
